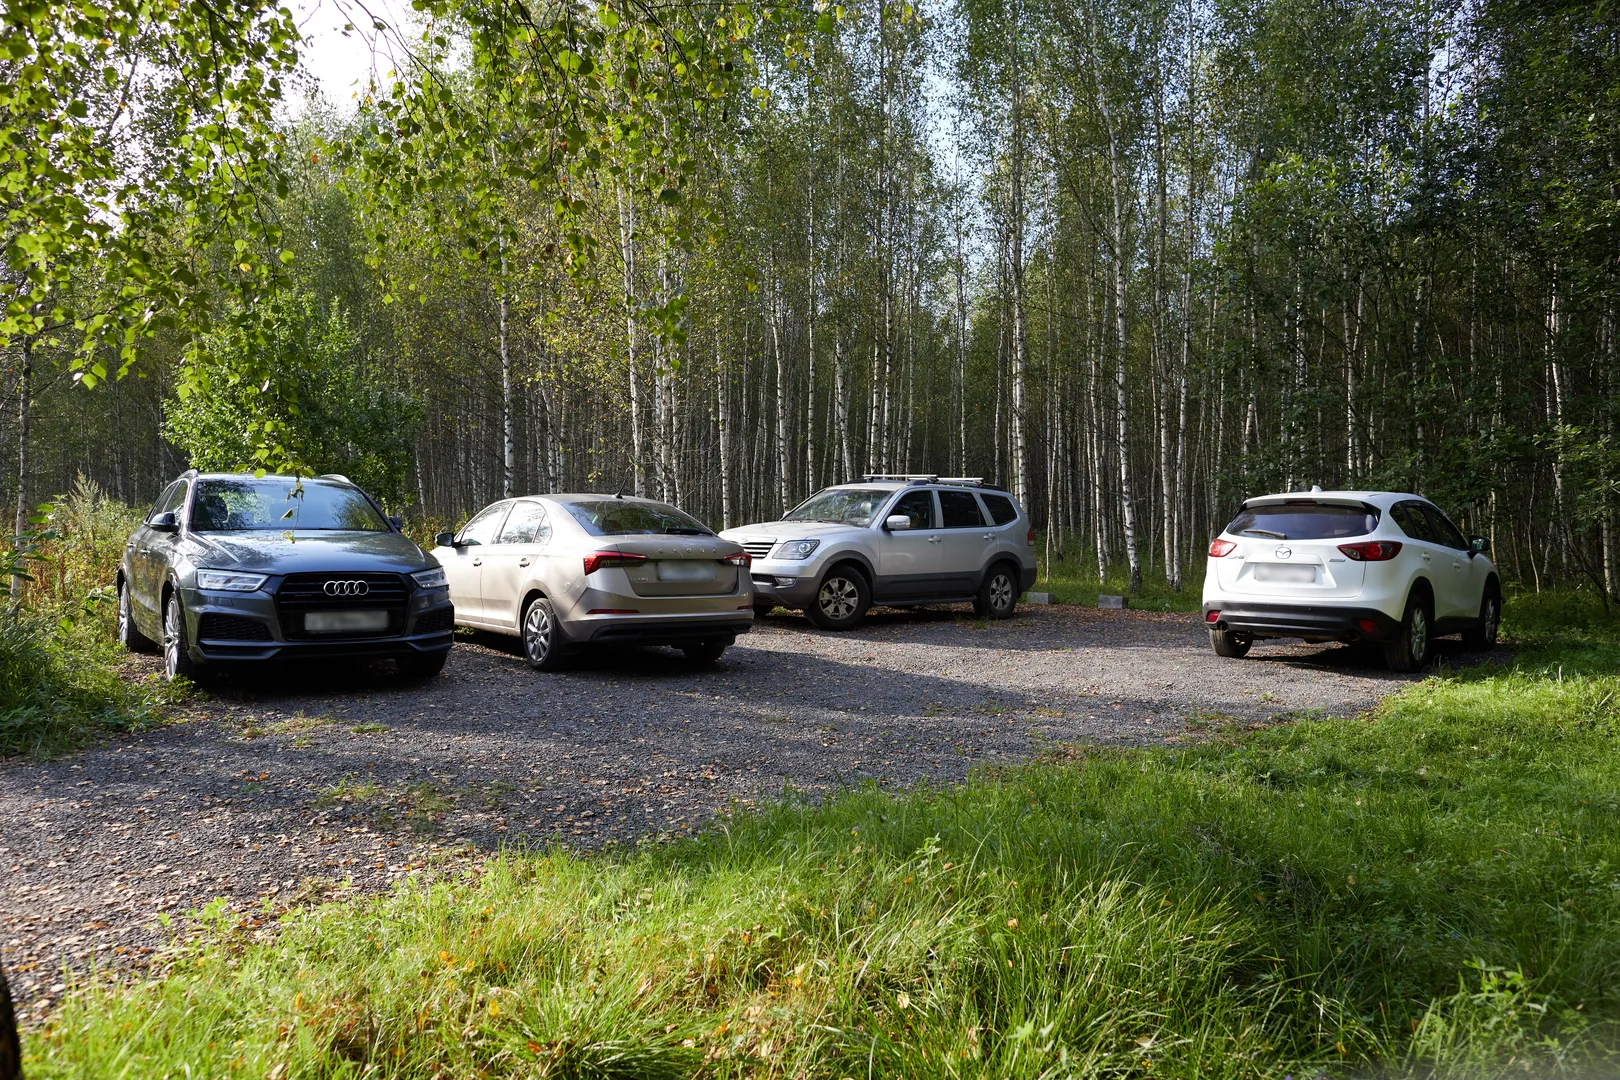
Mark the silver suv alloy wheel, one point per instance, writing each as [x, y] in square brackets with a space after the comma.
[838, 598]
[1001, 592]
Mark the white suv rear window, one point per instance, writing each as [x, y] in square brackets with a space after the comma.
[1304, 521]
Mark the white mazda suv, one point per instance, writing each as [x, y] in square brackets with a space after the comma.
[1353, 566]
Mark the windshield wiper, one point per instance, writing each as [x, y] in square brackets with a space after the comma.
[1265, 532]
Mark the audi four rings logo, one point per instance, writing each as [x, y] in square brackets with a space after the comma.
[346, 588]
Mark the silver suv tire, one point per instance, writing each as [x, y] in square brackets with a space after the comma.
[841, 599]
[998, 595]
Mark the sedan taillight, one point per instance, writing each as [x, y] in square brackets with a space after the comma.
[1219, 548]
[1372, 550]
[741, 558]
[601, 560]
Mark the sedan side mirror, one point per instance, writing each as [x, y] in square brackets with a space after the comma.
[897, 523]
[164, 522]
[445, 540]
[1478, 545]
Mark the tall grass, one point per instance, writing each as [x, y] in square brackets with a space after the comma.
[60, 680]
[1433, 889]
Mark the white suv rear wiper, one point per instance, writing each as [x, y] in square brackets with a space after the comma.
[1265, 532]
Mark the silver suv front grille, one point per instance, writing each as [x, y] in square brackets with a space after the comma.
[758, 549]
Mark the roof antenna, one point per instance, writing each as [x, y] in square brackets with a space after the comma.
[618, 494]
[1316, 489]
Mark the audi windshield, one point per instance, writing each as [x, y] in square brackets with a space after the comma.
[275, 504]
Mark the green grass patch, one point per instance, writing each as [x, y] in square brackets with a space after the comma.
[1431, 890]
[1074, 580]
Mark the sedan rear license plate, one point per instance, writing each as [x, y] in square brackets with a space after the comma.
[1294, 575]
[685, 570]
[341, 622]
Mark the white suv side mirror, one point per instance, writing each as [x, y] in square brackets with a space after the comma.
[897, 523]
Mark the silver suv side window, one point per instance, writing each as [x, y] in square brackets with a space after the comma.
[526, 524]
[1002, 510]
[918, 506]
[482, 528]
[960, 510]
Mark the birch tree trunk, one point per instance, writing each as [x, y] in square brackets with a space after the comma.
[627, 245]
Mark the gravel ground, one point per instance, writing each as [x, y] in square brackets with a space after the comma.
[277, 792]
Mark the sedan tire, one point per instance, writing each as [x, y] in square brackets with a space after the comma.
[704, 653]
[841, 599]
[129, 635]
[1409, 651]
[177, 661]
[543, 644]
[425, 666]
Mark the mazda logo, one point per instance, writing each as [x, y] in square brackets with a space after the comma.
[1285, 552]
[346, 588]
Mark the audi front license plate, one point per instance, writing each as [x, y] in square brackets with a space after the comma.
[344, 622]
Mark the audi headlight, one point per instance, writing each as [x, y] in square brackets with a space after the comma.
[431, 578]
[796, 550]
[230, 581]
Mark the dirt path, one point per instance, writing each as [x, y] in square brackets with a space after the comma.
[281, 790]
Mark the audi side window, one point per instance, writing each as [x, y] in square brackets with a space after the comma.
[1001, 508]
[1445, 532]
[161, 501]
[484, 524]
[918, 506]
[525, 524]
[960, 510]
[176, 502]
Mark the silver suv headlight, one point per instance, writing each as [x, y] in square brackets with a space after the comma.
[431, 578]
[230, 581]
[796, 550]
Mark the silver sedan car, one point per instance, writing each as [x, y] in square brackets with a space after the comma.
[563, 572]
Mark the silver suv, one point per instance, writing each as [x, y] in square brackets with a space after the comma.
[902, 541]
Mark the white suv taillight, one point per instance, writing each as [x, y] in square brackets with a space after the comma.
[1372, 550]
[1219, 549]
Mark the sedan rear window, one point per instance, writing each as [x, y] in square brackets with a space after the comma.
[276, 505]
[620, 517]
[1304, 521]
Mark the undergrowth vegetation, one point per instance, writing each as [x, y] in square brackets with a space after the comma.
[1430, 889]
[60, 679]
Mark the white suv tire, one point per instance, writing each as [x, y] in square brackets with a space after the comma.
[1410, 648]
[1225, 643]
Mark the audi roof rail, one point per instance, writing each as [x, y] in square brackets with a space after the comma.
[339, 477]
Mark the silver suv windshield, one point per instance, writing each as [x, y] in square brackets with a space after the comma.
[841, 506]
[617, 517]
[281, 505]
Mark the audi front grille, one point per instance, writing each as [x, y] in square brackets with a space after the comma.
[346, 590]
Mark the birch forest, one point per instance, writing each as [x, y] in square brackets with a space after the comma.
[1135, 261]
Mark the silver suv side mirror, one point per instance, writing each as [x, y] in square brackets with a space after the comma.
[897, 523]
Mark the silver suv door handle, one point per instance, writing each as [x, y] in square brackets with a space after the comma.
[989, 536]
[935, 539]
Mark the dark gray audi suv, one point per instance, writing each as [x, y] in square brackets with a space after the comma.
[232, 569]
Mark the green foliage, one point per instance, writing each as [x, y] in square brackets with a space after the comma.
[133, 134]
[72, 561]
[1430, 890]
[327, 410]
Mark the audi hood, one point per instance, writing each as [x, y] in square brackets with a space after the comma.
[297, 552]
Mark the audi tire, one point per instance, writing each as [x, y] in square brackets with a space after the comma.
[425, 666]
[129, 635]
[177, 661]
[841, 599]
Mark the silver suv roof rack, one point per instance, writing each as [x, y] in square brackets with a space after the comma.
[962, 481]
[910, 478]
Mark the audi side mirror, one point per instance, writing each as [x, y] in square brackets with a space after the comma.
[897, 523]
[445, 540]
[397, 522]
[1478, 545]
[164, 522]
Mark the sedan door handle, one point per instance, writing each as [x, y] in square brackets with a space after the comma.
[524, 561]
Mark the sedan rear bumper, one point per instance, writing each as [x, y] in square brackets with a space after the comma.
[1317, 621]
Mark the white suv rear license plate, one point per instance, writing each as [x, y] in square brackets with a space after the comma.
[340, 622]
[685, 570]
[1295, 575]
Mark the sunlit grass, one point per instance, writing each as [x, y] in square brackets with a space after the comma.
[1431, 889]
